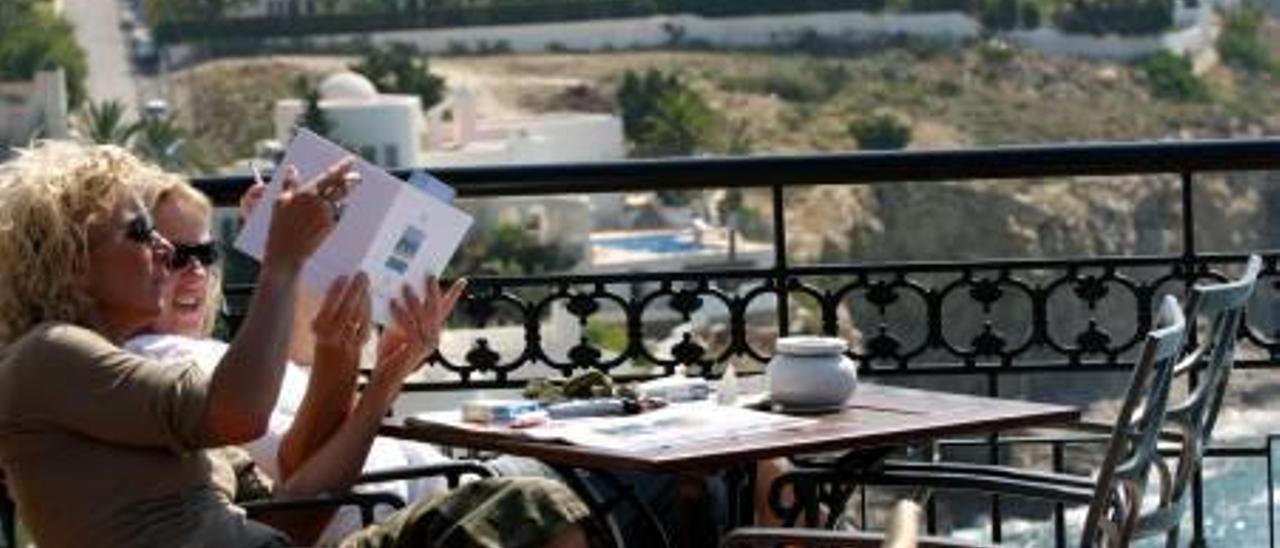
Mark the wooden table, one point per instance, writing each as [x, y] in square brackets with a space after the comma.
[876, 416]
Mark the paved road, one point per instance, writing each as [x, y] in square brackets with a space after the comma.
[97, 25]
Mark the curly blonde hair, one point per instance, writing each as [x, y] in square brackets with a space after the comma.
[181, 193]
[51, 195]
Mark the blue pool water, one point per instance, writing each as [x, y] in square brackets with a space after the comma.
[650, 243]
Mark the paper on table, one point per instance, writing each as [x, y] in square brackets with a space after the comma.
[671, 426]
[396, 233]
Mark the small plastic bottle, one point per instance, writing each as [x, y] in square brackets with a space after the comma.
[728, 393]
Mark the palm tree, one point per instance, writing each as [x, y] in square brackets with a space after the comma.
[161, 140]
[105, 125]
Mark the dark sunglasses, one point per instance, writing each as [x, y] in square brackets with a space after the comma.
[141, 229]
[205, 253]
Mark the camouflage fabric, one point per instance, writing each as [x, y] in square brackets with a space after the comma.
[491, 513]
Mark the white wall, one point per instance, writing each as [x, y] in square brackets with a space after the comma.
[38, 106]
[1192, 40]
[653, 31]
[554, 138]
[759, 31]
[392, 120]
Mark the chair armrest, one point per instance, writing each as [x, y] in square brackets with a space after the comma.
[990, 470]
[986, 478]
[750, 537]
[453, 471]
[366, 502]
[1078, 433]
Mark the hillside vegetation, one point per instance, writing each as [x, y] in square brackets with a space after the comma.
[982, 94]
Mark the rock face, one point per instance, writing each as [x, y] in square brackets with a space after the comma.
[1072, 218]
[1043, 219]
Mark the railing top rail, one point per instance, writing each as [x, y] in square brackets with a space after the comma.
[1005, 162]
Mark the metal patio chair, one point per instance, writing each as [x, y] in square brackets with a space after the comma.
[453, 472]
[1189, 423]
[1114, 496]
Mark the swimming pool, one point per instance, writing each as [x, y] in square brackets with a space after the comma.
[650, 243]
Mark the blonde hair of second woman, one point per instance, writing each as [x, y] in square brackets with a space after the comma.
[50, 196]
[181, 192]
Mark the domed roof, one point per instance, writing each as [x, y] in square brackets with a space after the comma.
[347, 85]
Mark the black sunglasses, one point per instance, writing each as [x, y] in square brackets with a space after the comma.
[205, 253]
[141, 229]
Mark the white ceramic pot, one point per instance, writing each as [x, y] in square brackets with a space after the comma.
[809, 372]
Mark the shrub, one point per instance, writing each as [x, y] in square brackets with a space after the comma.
[400, 69]
[999, 14]
[32, 38]
[880, 131]
[509, 250]
[814, 81]
[1128, 17]
[1170, 76]
[663, 116]
[1031, 17]
[1238, 43]
[966, 6]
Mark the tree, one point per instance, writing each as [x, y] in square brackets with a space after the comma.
[509, 250]
[35, 38]
[401, 69]
[1238, 43]
[313, 117]
[104, 123]
[1170, 76]
[662, 116]
[881, 131]
[163, 141]
[192, 10]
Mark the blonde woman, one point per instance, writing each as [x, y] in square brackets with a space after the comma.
[315, 400]
[103, 447]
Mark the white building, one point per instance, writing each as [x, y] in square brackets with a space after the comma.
[391, 130]
[34, 109]
[466, 138]
[385, 129]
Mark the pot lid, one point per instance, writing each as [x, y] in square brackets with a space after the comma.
[809, 345]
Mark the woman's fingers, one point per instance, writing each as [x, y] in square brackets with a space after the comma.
[366, 315]
[251, 198]
[451, 297]
[348, 307]
[329, 307]
[334, 184]
[414, 307]
[292, 179]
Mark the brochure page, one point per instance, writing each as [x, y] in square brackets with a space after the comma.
[395, 232]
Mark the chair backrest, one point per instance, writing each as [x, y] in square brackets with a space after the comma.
[1209, 363]
[8, 517]
[1132, 449]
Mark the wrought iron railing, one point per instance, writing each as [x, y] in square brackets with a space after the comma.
[988, 320]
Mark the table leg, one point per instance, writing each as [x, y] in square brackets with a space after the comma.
[696, 530]
[603, 505]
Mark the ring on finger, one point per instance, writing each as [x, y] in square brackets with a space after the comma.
[328, 191]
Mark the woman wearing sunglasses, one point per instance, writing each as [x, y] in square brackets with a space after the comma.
[103, 447]
[315, 400]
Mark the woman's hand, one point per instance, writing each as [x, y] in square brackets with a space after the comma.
[414, 332]
[252, 197]
[342, 325]
[304, 215]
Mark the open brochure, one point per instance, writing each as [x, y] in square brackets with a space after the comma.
[670, 426]
[395, 232]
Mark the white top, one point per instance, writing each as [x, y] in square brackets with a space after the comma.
[809, 345]
[386, 453]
